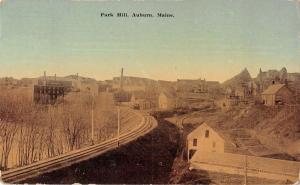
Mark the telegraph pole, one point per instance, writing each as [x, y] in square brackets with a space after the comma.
[246, 165]
[188, 150]
[93, 104]
[119, 111]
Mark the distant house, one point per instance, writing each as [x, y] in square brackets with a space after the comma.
[277, 94]
[189, 85]
[90, 87]
[103, 86]
[48, 94]
[208, 139]
[167, 100]
[240, 92]
[131, 84]
[121, 96]
[144, 100]
[213, 86]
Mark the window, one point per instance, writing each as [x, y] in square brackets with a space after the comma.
[194, 142]
[207, 133]
[214, 144]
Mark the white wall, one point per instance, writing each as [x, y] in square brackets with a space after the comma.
[212, 143]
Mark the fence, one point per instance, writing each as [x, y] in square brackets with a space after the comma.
[242, 164]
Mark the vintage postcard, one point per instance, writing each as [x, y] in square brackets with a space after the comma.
[150, 92]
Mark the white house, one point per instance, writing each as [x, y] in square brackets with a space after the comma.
[208, 139]
[167, 100]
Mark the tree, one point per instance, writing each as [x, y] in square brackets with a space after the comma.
[8, 131]
[73, 122]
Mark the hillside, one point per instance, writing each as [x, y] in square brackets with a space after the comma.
[274, 131]
[282, 122]
[276, 128]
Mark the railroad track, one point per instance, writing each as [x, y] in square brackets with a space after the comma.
[18, 175]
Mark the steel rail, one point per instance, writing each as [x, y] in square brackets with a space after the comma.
[76, 156]
[72, 157]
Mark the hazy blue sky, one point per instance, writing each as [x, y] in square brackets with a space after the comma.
[207, 38]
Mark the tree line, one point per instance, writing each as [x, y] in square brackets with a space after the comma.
[30, 132]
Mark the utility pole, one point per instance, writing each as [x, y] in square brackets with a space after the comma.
[188, 150]
[93, 105]
[246, 165]
[119, 111]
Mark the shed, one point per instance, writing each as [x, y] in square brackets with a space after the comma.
[277, 94]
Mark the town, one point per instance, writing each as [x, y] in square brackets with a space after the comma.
[150, 92]
[244, 130]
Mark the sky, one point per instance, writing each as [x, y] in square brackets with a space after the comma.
[211, 39]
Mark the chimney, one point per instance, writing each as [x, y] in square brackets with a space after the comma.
[77, 76]
[54, 77]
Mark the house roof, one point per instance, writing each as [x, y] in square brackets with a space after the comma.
[208, 125]
[273, 89]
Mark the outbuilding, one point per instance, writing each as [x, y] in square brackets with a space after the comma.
[277, 94]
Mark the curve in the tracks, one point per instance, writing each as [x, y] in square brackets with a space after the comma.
[44, 166]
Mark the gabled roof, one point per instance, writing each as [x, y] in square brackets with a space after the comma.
[205, 124]
[273, 89]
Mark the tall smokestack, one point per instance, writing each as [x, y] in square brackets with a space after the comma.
[121, 80]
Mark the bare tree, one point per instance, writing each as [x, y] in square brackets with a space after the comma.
[52, 121]
[28, 143]
[73, 125]
[8, 131]
[8, 125]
